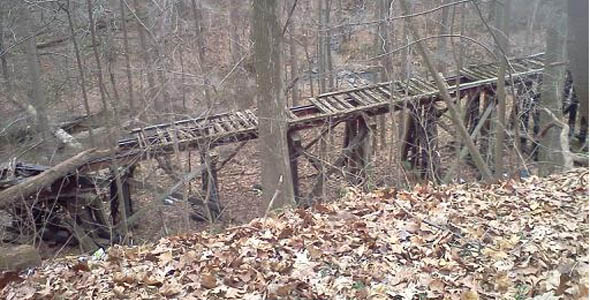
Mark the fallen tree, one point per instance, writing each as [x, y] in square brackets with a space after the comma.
[19, 257]
[34, 184]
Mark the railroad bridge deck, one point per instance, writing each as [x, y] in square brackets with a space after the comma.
[333, 107]
[82, 192]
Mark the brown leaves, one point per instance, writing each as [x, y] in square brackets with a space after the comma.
[510, 239]
[8, 277]
[208, 281]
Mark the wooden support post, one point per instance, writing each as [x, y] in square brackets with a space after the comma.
[358, 162]
[472, 111]
[295, 145]
[525, 109]
[210, 184]
[536, 124]
[125, 193]
[368, 152]
[485, 148]
[86, 242]
[350, 132]
[428, 140]
[408, 148]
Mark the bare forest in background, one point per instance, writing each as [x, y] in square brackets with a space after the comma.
[80, 78]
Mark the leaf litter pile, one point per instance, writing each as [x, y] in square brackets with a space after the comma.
[513, 239]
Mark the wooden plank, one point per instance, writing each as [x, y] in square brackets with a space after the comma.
[410, 88]
[534, 64]
[428, 87]
[185, 134]
[471, 75]
[359, 98]
[397, 90]
[368, 97]
[252, 117]
[419, 85]
[518, 66]
[333, 103]
[373, 97]
[237, 122]
[385, 92]
[141, 140]
[326, 102]
[244, 120]
[320, 106]
[484, 72]
[161, 137]
[218, 128]
[290, 115]
[491, 69]
[225, 123]
[400, 87]
[343, 101]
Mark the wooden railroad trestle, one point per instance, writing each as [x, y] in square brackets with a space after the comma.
[355, 107]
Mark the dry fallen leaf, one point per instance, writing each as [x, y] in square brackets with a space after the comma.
[208, 281]
[487, 241]
[469, 295]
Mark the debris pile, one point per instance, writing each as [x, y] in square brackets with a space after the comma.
[512, 239]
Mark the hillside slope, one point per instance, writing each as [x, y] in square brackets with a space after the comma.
[513, 239]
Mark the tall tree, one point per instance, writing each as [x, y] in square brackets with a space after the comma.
[126, 49]
[503, 23]
[444, 93]
[326, 82]
[200, 44]
[234, 25]
[441, 52]
[276, 172]
[145, 50]
[577, 49]
[38, 100]
[79, 64]
[551, 156]
[293, 66]
[7, 84]
[382, 47]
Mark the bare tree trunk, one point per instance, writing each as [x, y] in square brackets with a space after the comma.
[444, 93]
[503, 19]
[577, 44]
[325, 80]
[529, 39]
[145, 53]
[126, 55]
[382, 47]
[99, 75]
[198, 16]
[276, 170]
[8, 87]
[81, 71]
[234, 43]
[442, 42]
[309, 62]
[293, 65]
[38, 101]
[404, 118]
[111, 60]
[551, 157]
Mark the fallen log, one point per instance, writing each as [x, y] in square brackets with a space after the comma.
[34, 184]
[66, 139]
[19, 258]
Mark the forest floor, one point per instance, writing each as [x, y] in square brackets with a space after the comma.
[513, 239]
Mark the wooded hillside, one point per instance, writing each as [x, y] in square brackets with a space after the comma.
[123, 122]
[514, 239]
